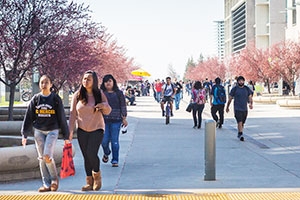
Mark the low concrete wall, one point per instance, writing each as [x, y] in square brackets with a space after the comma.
[273, 99]
[13, 128]
[19, 112]
[10, 127]
[288, 103]
[18, 163]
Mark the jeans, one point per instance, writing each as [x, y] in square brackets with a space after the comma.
[158, 96]
[198, 108]
[45, 142]
[89, 143]
[111, 135]
[177, 100]
[218, 108]
[131, 99]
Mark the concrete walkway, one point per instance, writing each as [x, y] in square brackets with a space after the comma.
[156, 158]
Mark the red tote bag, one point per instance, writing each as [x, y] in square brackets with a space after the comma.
[67, 164]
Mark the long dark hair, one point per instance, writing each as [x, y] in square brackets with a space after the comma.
[82, 95]
[105, 79]
[198, 85]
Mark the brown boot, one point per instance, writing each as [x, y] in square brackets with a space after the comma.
[97, 180]
[89, 184]
[54, 185]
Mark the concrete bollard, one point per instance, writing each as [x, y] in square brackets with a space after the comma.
[210, 150]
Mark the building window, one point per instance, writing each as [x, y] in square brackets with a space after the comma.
[239, 28]
[294, 15]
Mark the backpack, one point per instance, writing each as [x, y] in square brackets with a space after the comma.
[166, 85]
[200, 97]
[220, 94]
[173, 86]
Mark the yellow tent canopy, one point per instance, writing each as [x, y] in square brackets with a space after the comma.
[140, 72]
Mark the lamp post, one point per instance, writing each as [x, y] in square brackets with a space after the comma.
[35, 81]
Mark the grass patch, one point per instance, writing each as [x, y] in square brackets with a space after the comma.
[6, 103]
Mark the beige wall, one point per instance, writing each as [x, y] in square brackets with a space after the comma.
[265, 22]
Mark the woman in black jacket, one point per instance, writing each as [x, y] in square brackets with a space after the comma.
[45, 114]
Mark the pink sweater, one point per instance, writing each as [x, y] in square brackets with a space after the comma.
[87, 119]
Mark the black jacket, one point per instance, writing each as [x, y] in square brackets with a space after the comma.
[45, 113]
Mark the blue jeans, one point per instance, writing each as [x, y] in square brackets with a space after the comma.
[177, 100]
[111, 135]
[158, 96]
[45, 142]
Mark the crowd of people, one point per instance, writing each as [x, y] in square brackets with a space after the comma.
[211, 92]
[99, 113]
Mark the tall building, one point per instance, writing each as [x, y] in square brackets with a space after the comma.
[220, 38]
[293, 28]
[239, 24]
[259, 21]
[270, 22]
[293, 20]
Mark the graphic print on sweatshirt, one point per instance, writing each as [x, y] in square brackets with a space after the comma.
[44, 110]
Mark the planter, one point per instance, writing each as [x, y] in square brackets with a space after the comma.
[288, 103]
[19, 163]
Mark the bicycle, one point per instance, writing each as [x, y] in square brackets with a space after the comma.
[26, 96]
[168, 112]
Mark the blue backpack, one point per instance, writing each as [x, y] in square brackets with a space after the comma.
[220, 94]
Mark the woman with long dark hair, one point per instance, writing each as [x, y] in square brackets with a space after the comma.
[88, 106]
[114, 120]
[198, 98]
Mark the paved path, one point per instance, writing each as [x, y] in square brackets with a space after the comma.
[158, 158]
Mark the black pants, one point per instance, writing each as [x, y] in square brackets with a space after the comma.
[220, 109]
[89, 143]
[198, 109]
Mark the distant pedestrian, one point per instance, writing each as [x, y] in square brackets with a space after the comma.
[251, 86]
[188, 87]
[46, 115]
[178, 94]
[241, 95]
[130, 95]
[198, 98]
[88, 106]
[158, 88]
[217, 102]
[207, 86]
[114, 120]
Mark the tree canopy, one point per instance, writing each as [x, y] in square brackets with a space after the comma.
[57, 38]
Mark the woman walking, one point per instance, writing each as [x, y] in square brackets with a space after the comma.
[46, 115]
[198, 98]
[114, 120]
[88, 106]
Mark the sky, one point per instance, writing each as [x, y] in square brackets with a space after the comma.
[160, 33]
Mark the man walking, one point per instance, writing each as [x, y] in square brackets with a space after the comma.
[217, 102]
[178, 93]
[241, 95]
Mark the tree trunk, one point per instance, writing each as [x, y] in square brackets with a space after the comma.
[292, 85]
[12, 87]
[268, 84]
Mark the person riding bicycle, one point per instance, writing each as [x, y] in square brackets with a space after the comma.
[168, 93]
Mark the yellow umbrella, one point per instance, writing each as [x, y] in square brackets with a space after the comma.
[140, 72]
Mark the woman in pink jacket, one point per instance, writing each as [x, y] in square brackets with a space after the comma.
[88, 106]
